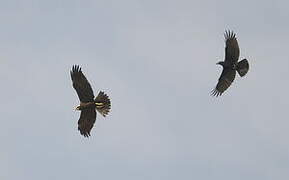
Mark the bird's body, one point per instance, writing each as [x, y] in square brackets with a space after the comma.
[88, 104]
[230, 64]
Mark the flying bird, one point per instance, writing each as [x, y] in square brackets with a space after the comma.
[88, 104]
[230, 65]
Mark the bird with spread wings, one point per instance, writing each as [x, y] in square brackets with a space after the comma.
[230, 65]
[88, 104]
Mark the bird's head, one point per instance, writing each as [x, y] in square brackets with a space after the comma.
[222, 63]
[77, 108]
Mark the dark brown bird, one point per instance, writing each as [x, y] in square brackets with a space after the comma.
[230, 65]
[88, 104]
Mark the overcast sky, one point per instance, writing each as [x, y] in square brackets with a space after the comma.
[156, 60]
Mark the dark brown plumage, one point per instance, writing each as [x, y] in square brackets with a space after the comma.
[230, 65]
[88, 105]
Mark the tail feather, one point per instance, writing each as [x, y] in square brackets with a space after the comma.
[243, 67]
[102, 102]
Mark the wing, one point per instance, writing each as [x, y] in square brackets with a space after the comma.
[86, 121]
[232, 50]
[225, 80]
[81, 85]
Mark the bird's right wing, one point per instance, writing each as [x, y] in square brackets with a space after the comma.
[86, 121]
[232, 50]
[225, 80]
[81, 85]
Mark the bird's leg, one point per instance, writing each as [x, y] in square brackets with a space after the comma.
[99, 104]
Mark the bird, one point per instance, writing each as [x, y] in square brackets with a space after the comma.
[88, 103]
[230, 64]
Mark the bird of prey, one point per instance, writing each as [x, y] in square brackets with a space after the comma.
[230, 65]
[88, 104]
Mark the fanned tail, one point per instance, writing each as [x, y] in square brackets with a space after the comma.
[102, 103]
[243, 67]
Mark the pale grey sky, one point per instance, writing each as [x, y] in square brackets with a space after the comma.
[156, 60]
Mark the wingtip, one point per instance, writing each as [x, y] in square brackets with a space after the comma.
[76, 68]
[229, 34]
[85, 134]
[215, 93]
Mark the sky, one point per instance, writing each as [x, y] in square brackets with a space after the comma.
[156, 59]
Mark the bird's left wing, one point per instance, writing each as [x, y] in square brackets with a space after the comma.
[232, 50]
[81, 85]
